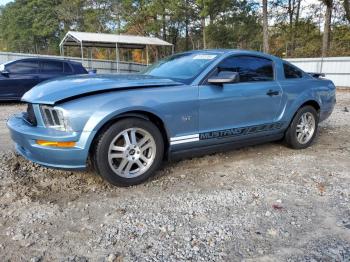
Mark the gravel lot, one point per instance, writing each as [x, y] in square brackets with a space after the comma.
[261, 203]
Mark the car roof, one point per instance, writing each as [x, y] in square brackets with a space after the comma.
[40, 59]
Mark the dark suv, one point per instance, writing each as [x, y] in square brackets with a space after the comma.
[17, 77]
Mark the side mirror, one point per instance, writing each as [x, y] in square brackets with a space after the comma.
[5, 73]
[224, 77]
[3, 70]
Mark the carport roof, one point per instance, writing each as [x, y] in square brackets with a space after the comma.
[85, 39]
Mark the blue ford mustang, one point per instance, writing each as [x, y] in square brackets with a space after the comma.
[191, 103]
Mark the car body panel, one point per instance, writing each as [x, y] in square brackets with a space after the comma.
[67, 87]
[170, 106]
[195, 117]
[15, 84]
[295, 95]
[245, 104]
[26, 136]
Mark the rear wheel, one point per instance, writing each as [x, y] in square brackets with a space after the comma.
[303, 128]
[129, 152]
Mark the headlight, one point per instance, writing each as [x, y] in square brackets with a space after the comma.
[55, 118]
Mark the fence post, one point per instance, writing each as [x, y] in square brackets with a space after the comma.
[117, 56]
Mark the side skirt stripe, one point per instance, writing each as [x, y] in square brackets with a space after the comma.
[233, 132]
[184, 137]
[184, 141]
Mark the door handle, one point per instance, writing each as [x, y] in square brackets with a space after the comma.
[272, 93]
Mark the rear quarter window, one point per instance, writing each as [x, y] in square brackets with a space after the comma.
[67, 68]
[78, 69]
[291, 72]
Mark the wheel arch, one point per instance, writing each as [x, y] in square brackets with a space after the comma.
[310, 102]
[289, 138]
[146, 115]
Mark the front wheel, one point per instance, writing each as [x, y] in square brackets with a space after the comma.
[129, 152]
[303, 128]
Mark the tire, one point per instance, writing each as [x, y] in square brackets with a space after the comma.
[299, 135]
[126, 163]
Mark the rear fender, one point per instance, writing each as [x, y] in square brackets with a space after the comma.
[290, 109]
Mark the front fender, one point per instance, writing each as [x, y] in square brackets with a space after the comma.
[96, 122]
[175, 106]
[88, 115]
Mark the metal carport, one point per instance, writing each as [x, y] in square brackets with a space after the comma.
[84, 39]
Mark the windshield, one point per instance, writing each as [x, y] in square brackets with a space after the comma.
[182, 67]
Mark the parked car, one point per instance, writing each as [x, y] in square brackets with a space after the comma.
[191, 103]
[17, 77]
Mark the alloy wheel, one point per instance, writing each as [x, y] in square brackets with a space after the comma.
[132, 152]
[305, 128]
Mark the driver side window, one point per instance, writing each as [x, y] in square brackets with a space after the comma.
[250, 68]
[23, 67]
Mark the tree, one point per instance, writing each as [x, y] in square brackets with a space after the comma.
[70, 14]
[288, 12]
[346, 4]
[327, 26]
[2, 42]
[265, 28]
[37, 26]
[31, 26]
[203, 13]
[231, 24]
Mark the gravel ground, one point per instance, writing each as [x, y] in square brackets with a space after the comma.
[261, 203]
[6, 110]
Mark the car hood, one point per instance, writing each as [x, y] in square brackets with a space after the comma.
[56, 90]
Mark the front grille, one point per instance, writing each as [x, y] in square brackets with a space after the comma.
[30, 115]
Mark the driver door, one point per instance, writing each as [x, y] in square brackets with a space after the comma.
[246, 108]
[23, 75]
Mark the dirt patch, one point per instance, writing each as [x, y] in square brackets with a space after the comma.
[6, 110]
[261, 203]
